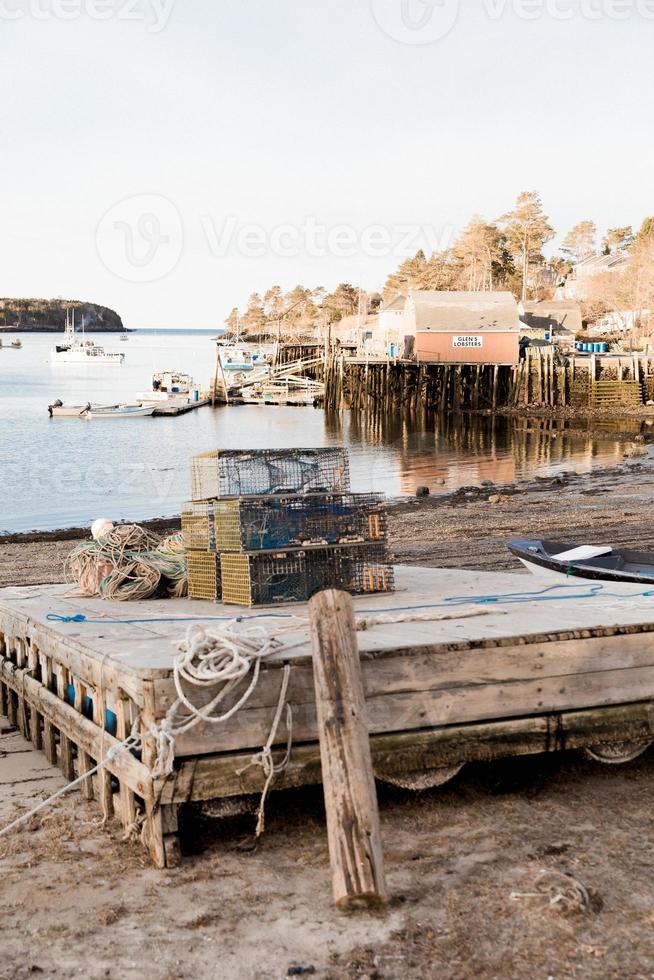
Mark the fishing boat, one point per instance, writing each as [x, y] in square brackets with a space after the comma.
[170, 386]
[119, 412]
[561, 561]
[60, 411]
[234, 358]
[124, 337]
[16, 344]
[74, 350]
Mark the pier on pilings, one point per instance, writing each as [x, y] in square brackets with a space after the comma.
[542, 379]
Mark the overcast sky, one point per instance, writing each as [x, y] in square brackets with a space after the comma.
[168, 158]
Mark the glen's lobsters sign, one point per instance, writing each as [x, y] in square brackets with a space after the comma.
[468, 342]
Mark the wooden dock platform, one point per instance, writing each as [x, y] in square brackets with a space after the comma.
[166, 408]
[449, 678]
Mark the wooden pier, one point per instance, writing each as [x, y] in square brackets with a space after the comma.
[544, 378]
[445, 683]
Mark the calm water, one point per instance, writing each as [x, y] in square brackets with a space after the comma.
[62, 472]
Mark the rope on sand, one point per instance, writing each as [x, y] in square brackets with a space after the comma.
[133, 742]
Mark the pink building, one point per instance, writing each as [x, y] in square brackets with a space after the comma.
[463, 327]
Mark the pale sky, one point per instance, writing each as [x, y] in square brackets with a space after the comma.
[240, 134]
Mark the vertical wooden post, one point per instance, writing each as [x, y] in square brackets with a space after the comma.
[49, 740]
[348, 782]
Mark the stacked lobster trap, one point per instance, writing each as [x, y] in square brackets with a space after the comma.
[269, 526]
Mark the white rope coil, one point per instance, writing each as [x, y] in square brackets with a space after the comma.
[218, 658]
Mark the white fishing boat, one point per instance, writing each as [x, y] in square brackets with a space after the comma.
[124, 337]
[120, 412]
[170, 386]
[73, 350]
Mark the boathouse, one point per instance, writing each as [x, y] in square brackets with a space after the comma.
[558, 320]
[463, 327]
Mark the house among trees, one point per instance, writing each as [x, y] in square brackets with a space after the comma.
[463, 327]
[577, 284]
[559, 320]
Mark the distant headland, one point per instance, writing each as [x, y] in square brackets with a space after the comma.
[49, 316]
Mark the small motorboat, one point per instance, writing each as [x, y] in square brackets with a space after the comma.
[16, 344]
[562, 561]
[120, 412]
[124, 337]
[60, 411]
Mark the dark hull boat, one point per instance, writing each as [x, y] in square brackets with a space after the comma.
[564, 560]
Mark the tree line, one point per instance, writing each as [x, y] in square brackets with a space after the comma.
[504, 254]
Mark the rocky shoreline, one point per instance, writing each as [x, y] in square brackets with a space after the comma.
[468, 528]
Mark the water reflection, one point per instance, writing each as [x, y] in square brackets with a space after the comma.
[447, 452]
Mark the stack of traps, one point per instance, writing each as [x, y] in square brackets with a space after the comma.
[270, 526]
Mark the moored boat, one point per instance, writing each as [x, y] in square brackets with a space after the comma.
[60, 411]
[170, 386]
[119, 412]
[561, 561]
[72, 350]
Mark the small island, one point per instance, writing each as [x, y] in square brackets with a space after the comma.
[49, 316]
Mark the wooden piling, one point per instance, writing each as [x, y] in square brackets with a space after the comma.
[348, 783]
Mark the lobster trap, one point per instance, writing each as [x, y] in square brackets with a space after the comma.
[236, 473]
[198, 526]
[267, 523]
[204, 575]
[267, 578]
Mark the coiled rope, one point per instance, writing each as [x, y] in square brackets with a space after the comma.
[221, 658]
[127, 564]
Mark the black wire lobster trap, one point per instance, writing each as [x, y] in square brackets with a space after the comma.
[268, 578]
[267, 523]
[237, 473]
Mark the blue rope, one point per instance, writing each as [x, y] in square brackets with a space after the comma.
[539, 595]
[80, 618]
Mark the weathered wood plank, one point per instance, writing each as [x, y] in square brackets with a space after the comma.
[216, 776]
[403, 710]
[75, 654]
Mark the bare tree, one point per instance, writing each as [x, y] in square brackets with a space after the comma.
[579, 243]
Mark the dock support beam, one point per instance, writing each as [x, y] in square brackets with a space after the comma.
[348, 782]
